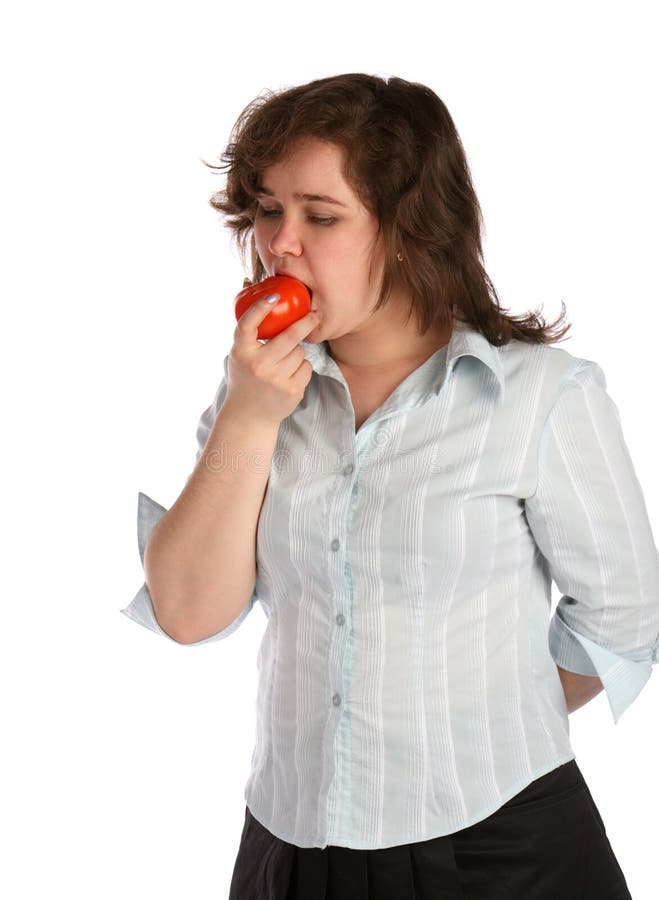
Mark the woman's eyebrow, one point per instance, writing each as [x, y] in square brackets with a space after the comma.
[323, 198]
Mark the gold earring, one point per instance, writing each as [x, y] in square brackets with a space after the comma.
[400, 257]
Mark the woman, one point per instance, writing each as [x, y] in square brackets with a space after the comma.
[428, 465]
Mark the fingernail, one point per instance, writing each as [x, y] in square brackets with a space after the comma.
[272, 298]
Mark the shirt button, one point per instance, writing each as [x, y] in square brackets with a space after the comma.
[336, 543]
[349, 469]
[340, 619]
[336, 700]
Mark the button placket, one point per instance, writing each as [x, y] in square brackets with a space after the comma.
[335, 545]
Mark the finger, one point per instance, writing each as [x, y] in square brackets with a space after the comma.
[294, 333]
[256, 312]
[308, 322]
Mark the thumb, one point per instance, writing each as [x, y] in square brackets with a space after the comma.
[246, 282]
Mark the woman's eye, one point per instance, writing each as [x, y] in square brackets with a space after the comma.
[317, 220]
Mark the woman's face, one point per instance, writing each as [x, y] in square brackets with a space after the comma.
[326, 245]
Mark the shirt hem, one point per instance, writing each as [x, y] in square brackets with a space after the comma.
[472, 820]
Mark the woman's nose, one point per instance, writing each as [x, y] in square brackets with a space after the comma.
[285, 238]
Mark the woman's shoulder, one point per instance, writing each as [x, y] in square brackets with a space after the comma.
[541, 371]
[549, 361]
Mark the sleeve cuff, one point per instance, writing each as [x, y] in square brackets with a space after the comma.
[623, 679]
[140, 609]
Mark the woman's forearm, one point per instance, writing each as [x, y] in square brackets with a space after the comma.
[578, 689]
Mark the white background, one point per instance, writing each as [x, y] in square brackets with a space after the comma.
[125, 755]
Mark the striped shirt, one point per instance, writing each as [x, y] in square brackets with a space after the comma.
[407, 675]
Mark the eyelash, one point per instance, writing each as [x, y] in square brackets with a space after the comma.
[317, 220]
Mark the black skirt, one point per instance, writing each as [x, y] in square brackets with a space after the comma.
[546, 843]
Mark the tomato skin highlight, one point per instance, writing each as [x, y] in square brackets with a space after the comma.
[294, 303]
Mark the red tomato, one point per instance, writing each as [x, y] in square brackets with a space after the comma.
[294, 303]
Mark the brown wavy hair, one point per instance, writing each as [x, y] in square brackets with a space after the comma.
[405, 161]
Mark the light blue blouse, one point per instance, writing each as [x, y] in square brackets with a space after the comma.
[407, 673]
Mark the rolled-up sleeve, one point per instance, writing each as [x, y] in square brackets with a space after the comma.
[589, 520]
[149, 512]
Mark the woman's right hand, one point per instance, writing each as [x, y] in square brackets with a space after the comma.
[267, 381]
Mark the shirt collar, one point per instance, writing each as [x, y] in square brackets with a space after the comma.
[468, 341]
[465, 340]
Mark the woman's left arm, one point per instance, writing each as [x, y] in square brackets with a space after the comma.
[578, 689]
[590, 523]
